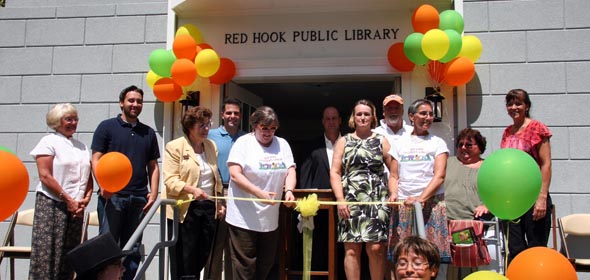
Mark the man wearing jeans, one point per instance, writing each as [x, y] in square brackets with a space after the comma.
[120, 213]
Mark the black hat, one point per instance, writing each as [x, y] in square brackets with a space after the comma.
[91, 256]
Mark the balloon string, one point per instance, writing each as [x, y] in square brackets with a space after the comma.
[506, 248]
[180, 202]
[507, 239]
[435, 74]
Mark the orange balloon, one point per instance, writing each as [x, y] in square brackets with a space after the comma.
[398, 59]
[113, 171]
[425, 18]
[14, 184]
[459, 71]
[184, 46]
[226, 72]
[183, 72]
[166, 90]
[203, 46]
[540, 263]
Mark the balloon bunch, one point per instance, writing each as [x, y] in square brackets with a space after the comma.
[437, 43]
[170, 70]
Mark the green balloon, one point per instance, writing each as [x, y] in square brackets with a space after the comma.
[455, 44]
[2, 148]
[413, 49]
[451, 19]
[161, 62]
[508, 183]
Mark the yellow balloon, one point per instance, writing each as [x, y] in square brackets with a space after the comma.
[435, 44]
[151, 78]
[471, 48]
[485, 275]
[193, 31]
[207, 62]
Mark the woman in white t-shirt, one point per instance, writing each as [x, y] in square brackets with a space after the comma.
[63, 193]
[260, 166]
[422, 166]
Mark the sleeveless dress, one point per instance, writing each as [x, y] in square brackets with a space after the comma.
[362, 180]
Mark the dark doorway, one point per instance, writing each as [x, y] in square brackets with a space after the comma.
[299, 105]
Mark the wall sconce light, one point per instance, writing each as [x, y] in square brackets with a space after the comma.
[191, 100]
[433, 95]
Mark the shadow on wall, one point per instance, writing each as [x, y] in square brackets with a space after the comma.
[159, 116]
[474, 96]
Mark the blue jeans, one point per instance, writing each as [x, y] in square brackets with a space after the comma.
[120, 215]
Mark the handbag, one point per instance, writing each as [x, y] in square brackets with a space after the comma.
[468, 248]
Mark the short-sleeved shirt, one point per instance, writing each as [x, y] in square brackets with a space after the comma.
[391, 136]
[139, 143]
[71, 164]
[224, 141]
[416, 155]
[527, 140]
[265, 167]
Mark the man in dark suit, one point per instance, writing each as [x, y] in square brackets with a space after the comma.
[315, 174]
[315, 170]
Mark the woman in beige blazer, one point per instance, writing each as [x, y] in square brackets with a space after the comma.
[190, 172]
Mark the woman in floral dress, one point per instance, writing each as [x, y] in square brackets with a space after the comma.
[357, 175]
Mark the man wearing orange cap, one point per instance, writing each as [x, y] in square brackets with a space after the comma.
[393, 126]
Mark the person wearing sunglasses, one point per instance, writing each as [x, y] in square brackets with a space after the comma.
[461, 197]
[190, 172]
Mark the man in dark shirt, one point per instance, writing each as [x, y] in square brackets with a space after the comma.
[120, 213]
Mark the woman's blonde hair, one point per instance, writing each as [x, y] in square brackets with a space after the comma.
[57, 112]
[365, 102]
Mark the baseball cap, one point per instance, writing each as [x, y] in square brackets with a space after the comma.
[393, 97]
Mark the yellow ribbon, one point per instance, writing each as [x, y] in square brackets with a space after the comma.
[321, 202]
[308, 207]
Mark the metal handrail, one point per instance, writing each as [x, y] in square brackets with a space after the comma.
[419, 219]
[160, 203]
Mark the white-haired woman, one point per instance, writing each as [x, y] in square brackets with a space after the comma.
[63, 193]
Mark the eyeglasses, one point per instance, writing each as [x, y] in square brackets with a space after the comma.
[267, 129]
[465, 144]
[70, 119]
[418, 266]
[425, 114]
[205, 124]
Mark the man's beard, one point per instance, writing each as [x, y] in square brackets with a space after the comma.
[393, 120]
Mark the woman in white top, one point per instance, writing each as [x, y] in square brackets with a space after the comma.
[422, 167]
[63, 193]
[260, 166]
[190, 172]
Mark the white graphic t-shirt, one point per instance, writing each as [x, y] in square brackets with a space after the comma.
[416, 163]
[265, 167]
